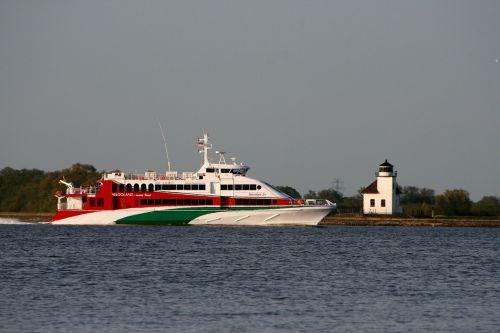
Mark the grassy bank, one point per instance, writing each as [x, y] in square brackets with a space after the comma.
[410, 222]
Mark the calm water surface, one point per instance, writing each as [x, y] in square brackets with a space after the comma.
[208, 279]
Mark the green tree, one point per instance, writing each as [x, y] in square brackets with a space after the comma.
[487, 206]
[290, 191]
[413, 194]
[453, 203]
[32, 190]
[329, 194]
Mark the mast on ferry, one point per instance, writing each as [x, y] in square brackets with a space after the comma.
[204, 146]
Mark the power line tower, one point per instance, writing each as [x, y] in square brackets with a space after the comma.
[338, 185]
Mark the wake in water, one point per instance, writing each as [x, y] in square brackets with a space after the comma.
[4, 220]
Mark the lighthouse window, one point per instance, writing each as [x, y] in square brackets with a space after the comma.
[151, 188]
[372, 202]
[136, 187]
[129, 187]
[122, 188]
[114, 188]
[382, 203]
[143, 188]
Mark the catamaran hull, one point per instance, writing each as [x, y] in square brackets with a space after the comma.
[297, 215]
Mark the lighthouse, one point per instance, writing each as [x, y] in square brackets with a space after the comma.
[382, 195]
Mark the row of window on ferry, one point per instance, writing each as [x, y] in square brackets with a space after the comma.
[151, 188]
[235, 171]
[240, 187]
[180, 187]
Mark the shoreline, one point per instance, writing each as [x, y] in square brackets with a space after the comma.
[27, 217]
[332, 220]
[409, 222]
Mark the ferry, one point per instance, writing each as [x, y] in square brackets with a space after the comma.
[218, 194]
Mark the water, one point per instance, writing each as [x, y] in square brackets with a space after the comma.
[209, 279]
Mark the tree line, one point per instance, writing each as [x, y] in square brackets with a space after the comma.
[416, 202]
[32, 190]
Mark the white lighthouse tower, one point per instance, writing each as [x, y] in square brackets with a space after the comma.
[382, 196]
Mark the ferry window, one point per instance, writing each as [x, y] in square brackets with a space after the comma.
[122, 188]
[259, 187]
[143, 188]
[180, 187]
[253, 187]
[144, 201]
[224, 170]
[372, 202]
[209, 202]
[158, 202]
[382, 203]
[266, 202]
[100, 202]
[246, 187]
[252, 202]
[172, 187]
[84, 199]
[114, 188]
[194, 187]
[223, 187]
[275, 202]
[202, 187]
[136, 187]
[210, 170]
[151, 188]
[129, 187]
[158, 187]
[230, 187]
[237, 187]
[187, 187]
[92, 202]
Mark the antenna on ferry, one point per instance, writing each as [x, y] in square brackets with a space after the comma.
[165, 143]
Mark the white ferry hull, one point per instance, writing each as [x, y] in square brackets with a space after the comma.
[202, 216]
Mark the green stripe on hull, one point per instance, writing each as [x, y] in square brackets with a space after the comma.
[181, 216]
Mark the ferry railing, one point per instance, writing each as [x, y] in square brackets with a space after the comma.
[319, 202]
[82, 190]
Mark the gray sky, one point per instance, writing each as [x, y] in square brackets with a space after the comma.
[302, 91]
